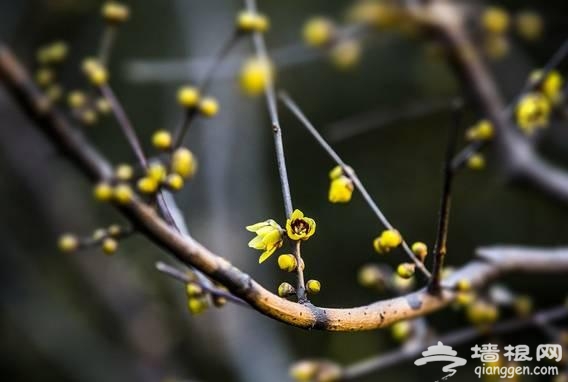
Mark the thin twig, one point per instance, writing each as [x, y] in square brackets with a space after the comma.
[107, 41]
[203, 87]
[440, 246]
[293, 107]
[404, 354]
[185, 278]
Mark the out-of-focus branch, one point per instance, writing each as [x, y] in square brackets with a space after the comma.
[405, 354]
[519, 158]
[145, 219]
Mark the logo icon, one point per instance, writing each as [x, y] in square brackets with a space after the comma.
[442, 353]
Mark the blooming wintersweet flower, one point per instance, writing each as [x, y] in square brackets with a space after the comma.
[533, 111]
[268, 238]
[299, 227]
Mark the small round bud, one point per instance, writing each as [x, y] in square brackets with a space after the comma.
[420, 250]
[261, 23]
[406, 270]
[147, 185]
[114, 230]
[495, 20]
[54, 93]
[346, 54]
[219, 301]
[103, 192]
[115, 13]
[209, 107]
[76, 99]
[318, 31]
[197, 305]
[496, 46]
[463, 285]
[388, 240]
[123, 194]
[371, 276]
[529, 25]
[124, 172]
[303, 371]
[482, 313]
[402, 330]
[162, 140]
[465, 298]
[68, 243]
[96, 73]
[103, 106]
[183, 163]
[250, 21]
[188, 96]
[156, 171]
[476, 162]
[285, 290]
[193, 290]
[99, 234]
[109, 246]
[88, 117]
[254, 75]
[44, 77]
[313, 286]
[401, 285]
[174, 182]
[287, 262]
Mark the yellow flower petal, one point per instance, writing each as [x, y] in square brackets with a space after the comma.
[257, 243]
[265, 255]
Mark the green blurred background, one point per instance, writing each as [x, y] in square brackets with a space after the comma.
[89, 317]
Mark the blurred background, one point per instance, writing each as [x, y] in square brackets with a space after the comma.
[91, 317]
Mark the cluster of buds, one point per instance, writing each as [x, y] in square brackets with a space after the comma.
[49, 57]
[87, 109]
[190, 99]
[248, 21]
[286, 289]
[197, 301]
[388, 240]
[315, 371]
[106, 238]
[341, 186]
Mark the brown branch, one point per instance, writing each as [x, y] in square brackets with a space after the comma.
[144, 218]
[519, 158]
[405, 354]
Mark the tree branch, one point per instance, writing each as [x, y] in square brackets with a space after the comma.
[143, 217]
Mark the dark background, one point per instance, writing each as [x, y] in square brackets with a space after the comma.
[88, 317]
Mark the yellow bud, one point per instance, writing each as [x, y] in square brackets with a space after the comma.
[335, 172]
[162, 140]
[103, 106]
[246, 21]
[197, 305]
[261, 23]
[420, 250]
[313, 286]
[114, 230]
[103, 192]
[123, 194]
[371, 276]
[124, 172]
[99, 234]
[406, 270]
[114, 12]
[54, 92]
[147, 185]
[346, 54]
[183, 163]
[174, 182]
[388, 240]
[463, 285]
[287, 262]
[208, 106]
[465, 298]
[529, 25]
[54, 53]
[254, 75]
[496, 46]
[303, 371]
[188, 96]
[219, 301]
[318, 31]
[68, 243]
[193, 290]
[476, 162]
[400, 284]
[44, 76]
[109, 246]
[401, 330]
[341, 190]
[285, 289]
[482, 313]
[495, 20]
[156, 171]
[95, 72]
[89, 117]
[482, 131]
[76, 99]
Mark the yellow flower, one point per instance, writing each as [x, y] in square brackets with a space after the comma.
[268, 238]
[300, 227]
[533, 111]
[389, 239]
[254, 75]
[340, 190]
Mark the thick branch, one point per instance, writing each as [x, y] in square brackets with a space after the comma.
[147, 221]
